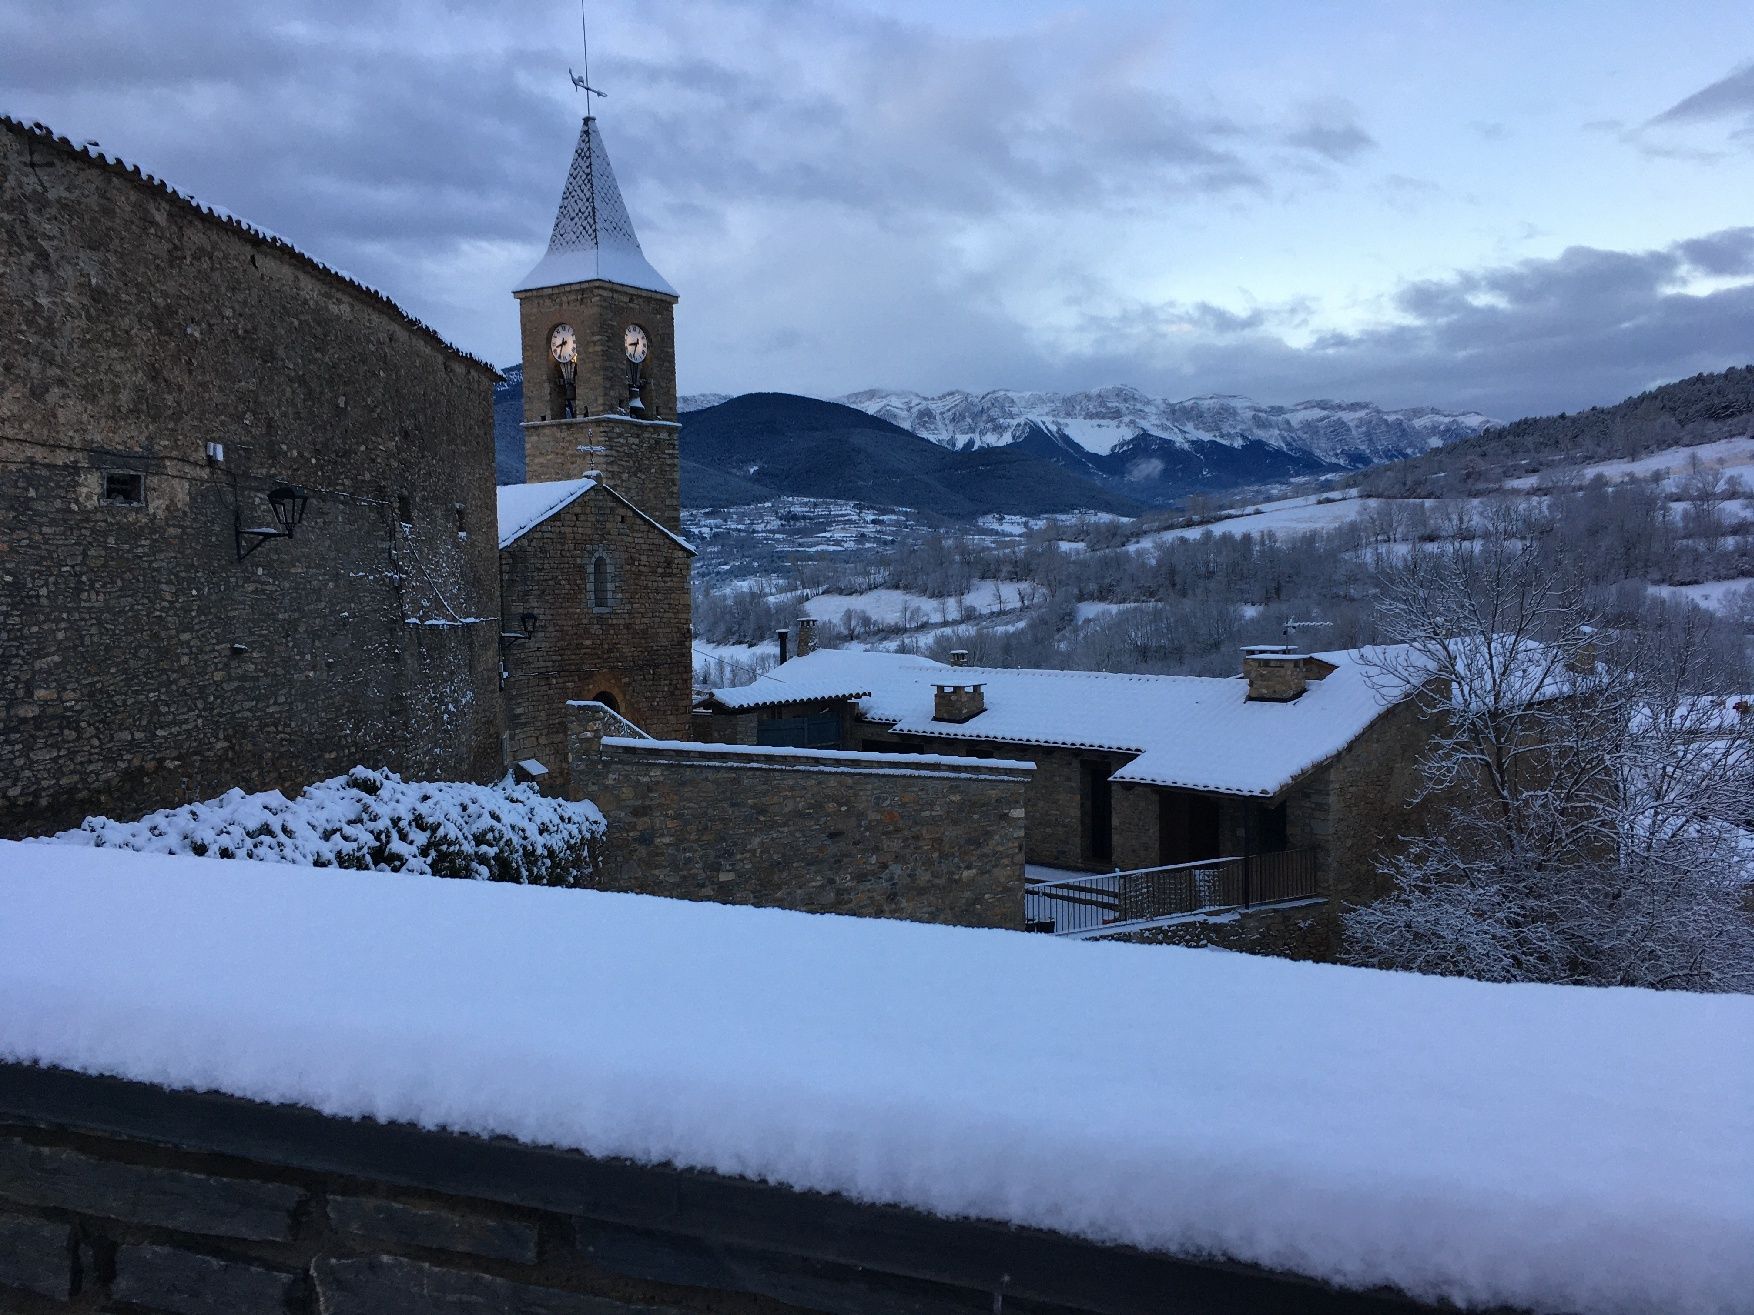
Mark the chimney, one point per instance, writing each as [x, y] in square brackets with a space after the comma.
[1275, 673]
[806, 635]
[785, 638]
[958, 703]
[959, 657]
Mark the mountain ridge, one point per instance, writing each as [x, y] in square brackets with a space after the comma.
[1117, 447]
[783, 445]
[1332, 433]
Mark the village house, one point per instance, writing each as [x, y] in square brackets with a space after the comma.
[1298, 765]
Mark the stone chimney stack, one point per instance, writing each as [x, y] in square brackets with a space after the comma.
[785, 638]
[958, 703]
[1275, 673]
[959, 657]
[806, 635]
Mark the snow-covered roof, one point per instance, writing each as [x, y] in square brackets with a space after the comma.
[522, 507]
[1193, 732]
[1536, 1147]
[837, 673]
[593, 236]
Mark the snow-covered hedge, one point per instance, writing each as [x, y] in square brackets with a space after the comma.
[374, 820]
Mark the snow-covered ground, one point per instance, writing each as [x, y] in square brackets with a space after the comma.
[899, 608]
[718, 665]
[1713, 595]
[1554, 1148]
[1733, 456]
[1288, 516]
[1102, 611]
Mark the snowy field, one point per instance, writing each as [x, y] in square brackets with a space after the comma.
[1732, 456]
[899, 609]
[1553, 1148]
[1713, 595]
[1288, 516]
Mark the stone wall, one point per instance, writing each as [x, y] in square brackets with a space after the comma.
[637, 651]
[924, 838]
[117, 1196]
[1055, 797]
[1361, 804]
[141, 663]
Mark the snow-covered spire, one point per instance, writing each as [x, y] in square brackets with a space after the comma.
[593, 237]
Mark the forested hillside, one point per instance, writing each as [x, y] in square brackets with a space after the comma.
[1686, 413]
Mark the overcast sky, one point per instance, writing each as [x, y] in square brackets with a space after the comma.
[1511, 207]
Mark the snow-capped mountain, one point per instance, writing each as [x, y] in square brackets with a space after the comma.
[701, 401]
[1326, 433]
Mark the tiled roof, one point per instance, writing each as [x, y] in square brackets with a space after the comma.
[1193, 732]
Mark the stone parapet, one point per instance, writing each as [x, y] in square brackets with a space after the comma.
[124, 1196]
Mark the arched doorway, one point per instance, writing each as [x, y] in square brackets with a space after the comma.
[608, 700]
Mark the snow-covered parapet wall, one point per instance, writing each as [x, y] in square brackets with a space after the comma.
[1547, 1148]
[374, 820]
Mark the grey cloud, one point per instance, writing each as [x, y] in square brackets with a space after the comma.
[1585, 327]
[810, 176]
[1331, 130]
[1731, 96]
[1729, 252]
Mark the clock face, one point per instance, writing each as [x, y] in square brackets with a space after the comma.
[635, 342]
[563, 344]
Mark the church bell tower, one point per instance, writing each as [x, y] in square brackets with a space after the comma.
[599, 348]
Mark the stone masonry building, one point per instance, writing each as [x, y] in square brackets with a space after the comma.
[174, 385]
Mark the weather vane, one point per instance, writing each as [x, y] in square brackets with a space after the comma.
[584, 83]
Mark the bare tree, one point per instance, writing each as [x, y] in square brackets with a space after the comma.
[1586, 800]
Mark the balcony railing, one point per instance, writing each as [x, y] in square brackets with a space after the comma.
[1117, 901]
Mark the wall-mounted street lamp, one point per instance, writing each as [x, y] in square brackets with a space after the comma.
[528, 621]
[288, 503]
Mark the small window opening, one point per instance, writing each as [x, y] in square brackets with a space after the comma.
[462, 519]
[124, 488]
[405, 509]
[1271, 833]
[600, 584]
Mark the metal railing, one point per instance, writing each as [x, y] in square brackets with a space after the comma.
[1115, 900]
